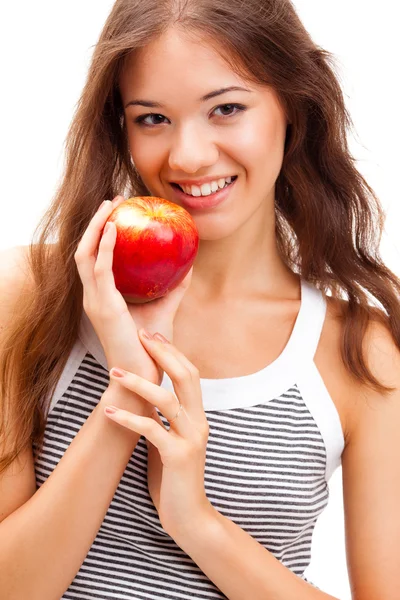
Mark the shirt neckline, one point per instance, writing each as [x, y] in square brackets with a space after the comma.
[260, 386]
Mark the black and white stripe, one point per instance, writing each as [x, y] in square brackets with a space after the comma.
[265, 470]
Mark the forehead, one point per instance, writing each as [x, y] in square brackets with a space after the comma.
[175, 61]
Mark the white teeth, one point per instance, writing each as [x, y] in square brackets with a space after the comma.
[207, 188]
[214, 186]
[221, 183]
[195, 191]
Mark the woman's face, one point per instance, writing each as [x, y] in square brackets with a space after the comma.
[188, 139]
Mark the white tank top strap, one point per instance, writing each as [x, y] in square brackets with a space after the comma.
[309, 380]
[309, 323]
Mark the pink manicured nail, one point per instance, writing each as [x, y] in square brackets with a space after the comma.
[117, 372]
[110, 410]
[161, 338]
[146, 334]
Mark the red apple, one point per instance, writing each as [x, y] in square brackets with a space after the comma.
[157, 242]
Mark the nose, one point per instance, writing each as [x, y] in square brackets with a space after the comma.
[192, 149]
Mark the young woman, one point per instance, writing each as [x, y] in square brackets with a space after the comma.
[201, 472]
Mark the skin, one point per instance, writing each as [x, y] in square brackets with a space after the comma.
[195, 139]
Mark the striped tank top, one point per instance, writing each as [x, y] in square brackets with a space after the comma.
[275, 440]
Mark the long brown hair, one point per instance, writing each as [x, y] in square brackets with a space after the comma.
[328, 220]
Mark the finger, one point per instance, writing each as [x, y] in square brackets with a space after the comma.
[183, 374]
[85, 255]
[146, 426]
[164, 400]
[103, 268]
[188, 279]
[117, 201]
[171, 301]
[170, 348]
[156, 417]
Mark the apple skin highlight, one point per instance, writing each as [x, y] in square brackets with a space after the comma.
[156, 245]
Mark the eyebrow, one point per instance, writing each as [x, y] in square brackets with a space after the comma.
[150, 104]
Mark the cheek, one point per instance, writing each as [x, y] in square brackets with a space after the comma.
[146, 154]
[259, 147]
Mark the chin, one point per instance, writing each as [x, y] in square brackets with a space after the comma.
[213, 229]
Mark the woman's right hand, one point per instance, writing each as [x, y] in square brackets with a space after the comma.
[104, 304]
[116, 324]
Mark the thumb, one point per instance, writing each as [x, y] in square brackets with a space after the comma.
[169, 304]
[185, 283]
[180, 290]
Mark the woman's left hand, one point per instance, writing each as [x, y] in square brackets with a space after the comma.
[176, 457]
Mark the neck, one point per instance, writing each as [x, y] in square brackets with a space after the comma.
[244, 264]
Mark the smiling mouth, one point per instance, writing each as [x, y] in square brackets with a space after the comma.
[176, 185]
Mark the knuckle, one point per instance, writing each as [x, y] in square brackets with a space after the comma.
[205, 431]
[167, 403]
[124, 420]
[183, 375]
[99, 270]
[198, 441]
[170, 399]
[149, 427]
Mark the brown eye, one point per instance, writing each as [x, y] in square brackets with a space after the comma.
[229, 110]
[157, 119]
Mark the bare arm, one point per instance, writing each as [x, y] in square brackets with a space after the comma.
[238, 565]
[58, 524]
[371, 479]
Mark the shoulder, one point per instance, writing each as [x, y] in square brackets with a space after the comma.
[14, 262]
[382, 357]
[15, 265]
[15, 277]
[380, 354]
[328, 359]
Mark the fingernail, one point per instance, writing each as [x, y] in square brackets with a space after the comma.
[146, 334]
[117, 372]
[110, 410]
[161, 338]
[107, 227]
[103, 204]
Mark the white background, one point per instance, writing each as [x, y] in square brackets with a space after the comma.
[46, 47]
